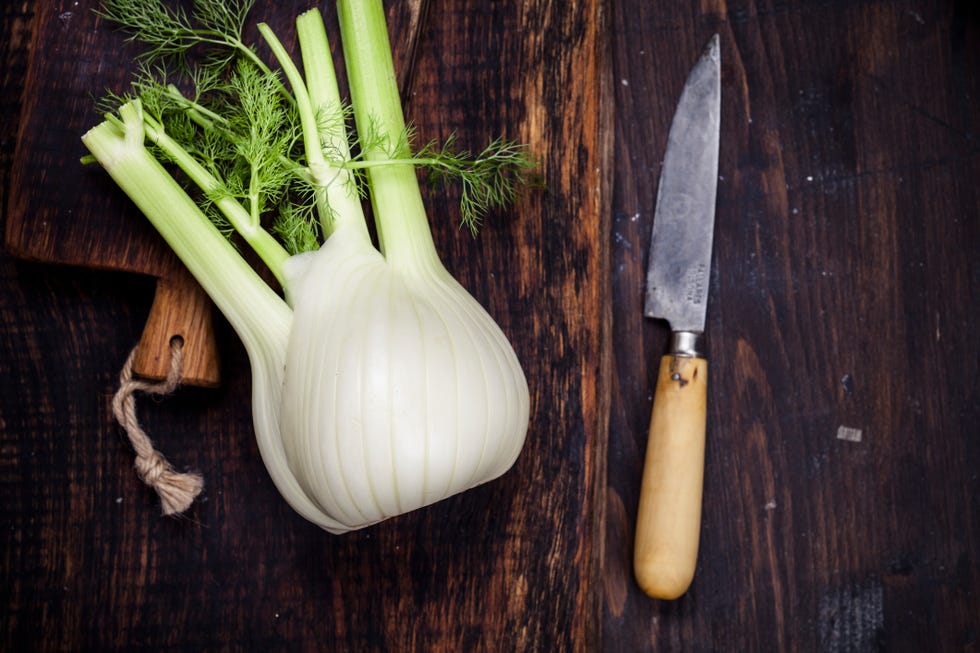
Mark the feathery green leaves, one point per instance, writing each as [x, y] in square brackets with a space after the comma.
[221, 105]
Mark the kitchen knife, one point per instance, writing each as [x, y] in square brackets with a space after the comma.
[669, 519]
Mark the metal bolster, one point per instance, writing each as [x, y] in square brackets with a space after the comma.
[687, 343]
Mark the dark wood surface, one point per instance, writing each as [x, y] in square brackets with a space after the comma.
[844, 294]
[509, 566]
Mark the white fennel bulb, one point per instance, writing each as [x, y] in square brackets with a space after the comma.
[399, 388]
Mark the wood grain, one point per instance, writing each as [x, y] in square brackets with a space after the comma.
[508, 566]
[180, 310]
[47, 224]
[843, 293]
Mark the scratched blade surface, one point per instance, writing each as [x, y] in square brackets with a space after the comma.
[683, 224]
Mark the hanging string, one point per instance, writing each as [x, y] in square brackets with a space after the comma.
[177, 490]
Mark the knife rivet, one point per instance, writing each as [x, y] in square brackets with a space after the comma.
[680, 380]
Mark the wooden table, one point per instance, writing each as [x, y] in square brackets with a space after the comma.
[840, 499]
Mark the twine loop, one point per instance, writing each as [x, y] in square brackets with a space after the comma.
[177, 490]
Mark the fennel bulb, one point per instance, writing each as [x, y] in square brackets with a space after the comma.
[380, 385]
[418, 395]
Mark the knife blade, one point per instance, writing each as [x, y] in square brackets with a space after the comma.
[669, 514]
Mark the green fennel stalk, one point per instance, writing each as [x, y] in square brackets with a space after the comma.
[278, 149]
[118, 145]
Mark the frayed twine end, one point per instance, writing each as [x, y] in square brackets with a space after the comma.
[177, 490]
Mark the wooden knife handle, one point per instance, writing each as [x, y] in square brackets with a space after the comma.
[668, 524]
[181, 309]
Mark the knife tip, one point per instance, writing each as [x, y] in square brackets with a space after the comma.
[711, 55]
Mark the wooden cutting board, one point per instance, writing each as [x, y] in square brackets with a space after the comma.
[75, 57]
